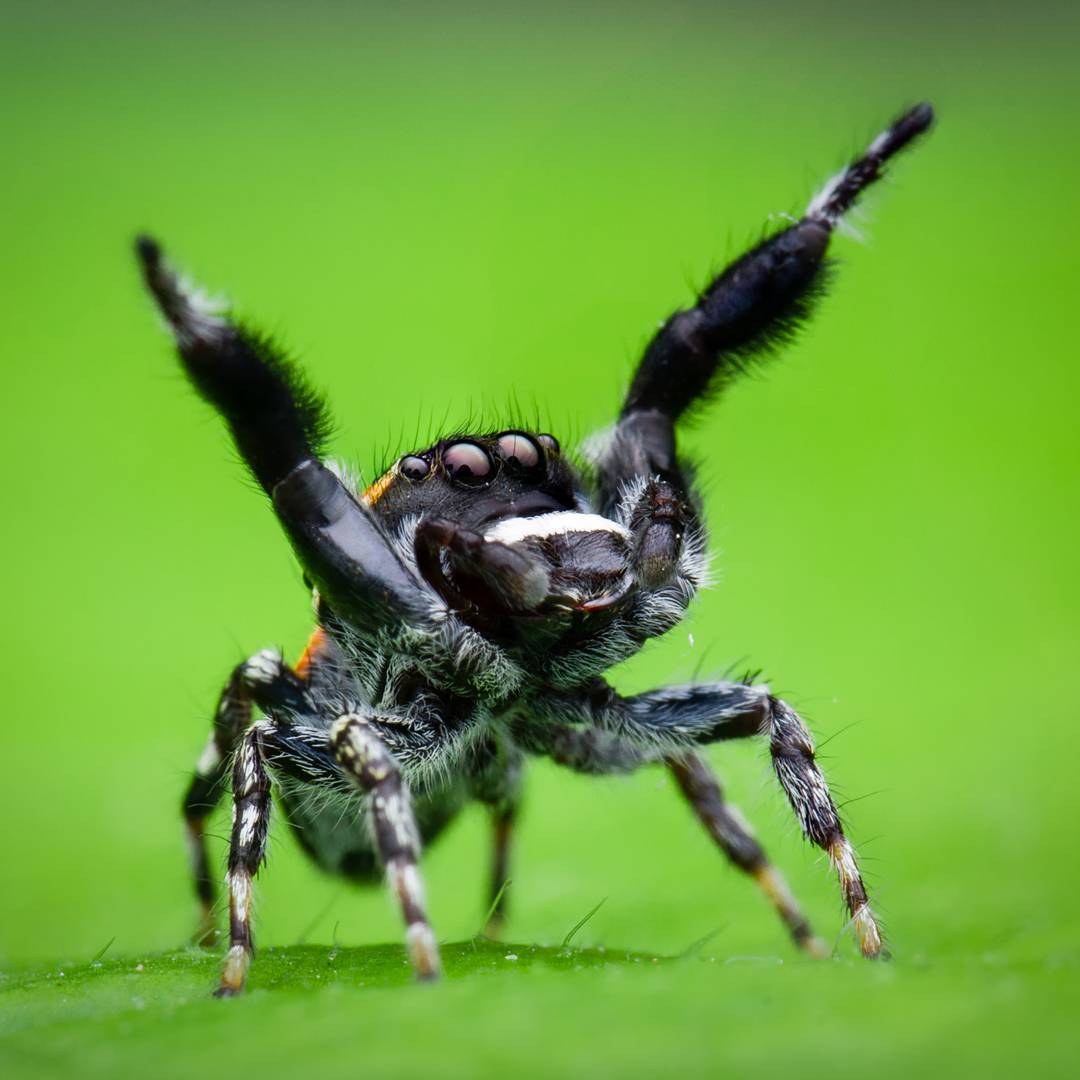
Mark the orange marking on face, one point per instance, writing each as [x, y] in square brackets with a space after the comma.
[375, 491]
[311, 651]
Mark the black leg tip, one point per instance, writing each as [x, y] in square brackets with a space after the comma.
[911, 124]
[922, 116]
[148, 250]
[226, 992]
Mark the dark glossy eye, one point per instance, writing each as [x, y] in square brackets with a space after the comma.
[467, 463]
[548, 442]
[519, 450]
[413, 468]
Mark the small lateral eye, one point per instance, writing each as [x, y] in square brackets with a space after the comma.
[467, 463]
[413, 468]
[519, 450]
[548, 442]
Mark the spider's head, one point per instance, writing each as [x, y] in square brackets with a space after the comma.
[504, 527]
[474, 480]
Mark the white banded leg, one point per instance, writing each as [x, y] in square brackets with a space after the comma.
[368, 762]
[251, 820]
[232, 716]
[793, 761]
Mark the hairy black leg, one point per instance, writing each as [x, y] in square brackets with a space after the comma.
[646, 727]
[276, 419]
[251, 820]
[751, 309]
[792, 749]
[279, 425]
[583, 749]
[733, 836]
[672, 721]
[367, 761]
[262, 679]
[232, 716]
[593, 750]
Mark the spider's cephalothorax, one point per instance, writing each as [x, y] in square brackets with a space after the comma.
[471, 598]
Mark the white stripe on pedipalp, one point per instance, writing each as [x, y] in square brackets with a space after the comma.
[559, 523]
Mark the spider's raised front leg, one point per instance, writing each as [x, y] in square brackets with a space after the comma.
[262, 679]
[598, 724]
[751, 309]
[279, 425]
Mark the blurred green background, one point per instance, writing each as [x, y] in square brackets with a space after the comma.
[446, 206]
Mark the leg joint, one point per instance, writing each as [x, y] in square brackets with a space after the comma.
[360, 750]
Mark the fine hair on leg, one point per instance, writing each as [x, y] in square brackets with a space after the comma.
[758, 303]
[276, 419]
[280, 426]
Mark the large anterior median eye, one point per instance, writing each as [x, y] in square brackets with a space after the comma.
[519, 450]
[467, 463]
[413, 468]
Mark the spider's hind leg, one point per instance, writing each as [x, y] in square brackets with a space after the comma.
[733, 836]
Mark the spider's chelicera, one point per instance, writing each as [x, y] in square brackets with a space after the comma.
[470, 600]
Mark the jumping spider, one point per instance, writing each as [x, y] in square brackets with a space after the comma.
[469, 601]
